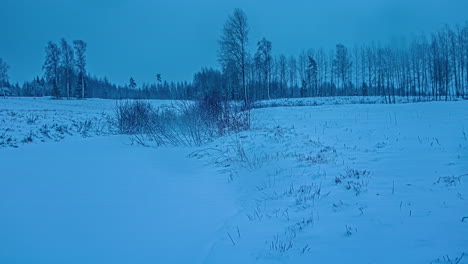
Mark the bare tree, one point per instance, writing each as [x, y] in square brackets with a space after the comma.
[356, 67]
[51, 67]
[342, 65]
[232, 53]
[322, 66]
[303, 65]
[292, 67]
[67, 62]
[263, 61]
[282, 66]
[80, 50]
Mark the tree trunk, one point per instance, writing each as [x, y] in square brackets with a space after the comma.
[82, 86]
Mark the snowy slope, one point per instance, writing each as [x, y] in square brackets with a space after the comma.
[324, 184]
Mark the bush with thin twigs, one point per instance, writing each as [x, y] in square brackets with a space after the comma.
[133, 116]
[184, 123]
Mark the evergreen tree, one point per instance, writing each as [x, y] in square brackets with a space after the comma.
[132, 84]
[3, 73]
[312, 75]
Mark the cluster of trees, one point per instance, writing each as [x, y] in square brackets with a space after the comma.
[64, 73]
[434, 65]
[65, 69]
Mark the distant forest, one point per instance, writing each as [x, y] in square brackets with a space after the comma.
[434, 65]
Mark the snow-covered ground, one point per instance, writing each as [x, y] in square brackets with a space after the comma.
[350, 184]
[353, 183]
[100, 200]
[34, 120]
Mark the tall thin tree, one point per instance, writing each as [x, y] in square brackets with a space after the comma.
[80, 50]
[51, 67]
[67, 64]
[232, 53]
[263, 61]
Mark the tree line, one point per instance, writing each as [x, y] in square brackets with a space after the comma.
[65, 76]
[433, 66]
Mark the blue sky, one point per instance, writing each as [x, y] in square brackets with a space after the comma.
[141, 38]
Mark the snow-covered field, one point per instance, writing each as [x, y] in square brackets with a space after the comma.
[351, 183]
[339, 100]
[35, 120]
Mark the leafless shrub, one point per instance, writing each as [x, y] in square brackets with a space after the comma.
[222, 115]
[133, 116]
[185, 123]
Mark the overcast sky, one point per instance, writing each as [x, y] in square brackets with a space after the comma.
[141, 38]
